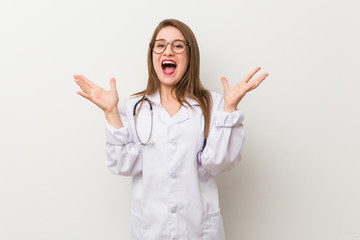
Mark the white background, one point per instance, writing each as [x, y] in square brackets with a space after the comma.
[299, 178]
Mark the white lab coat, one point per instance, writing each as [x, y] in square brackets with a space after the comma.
[174, 194]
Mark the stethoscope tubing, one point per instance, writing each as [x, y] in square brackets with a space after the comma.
[149, 141]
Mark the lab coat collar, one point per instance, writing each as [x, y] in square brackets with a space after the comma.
[155, 99]
[180, 116]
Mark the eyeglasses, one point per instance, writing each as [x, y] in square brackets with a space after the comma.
[177, 46]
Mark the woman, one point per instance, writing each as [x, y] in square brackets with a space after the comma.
[174, 152]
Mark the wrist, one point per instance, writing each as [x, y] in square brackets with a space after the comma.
[112, 112]
[230, 109]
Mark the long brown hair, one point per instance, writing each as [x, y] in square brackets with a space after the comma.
[189, 85]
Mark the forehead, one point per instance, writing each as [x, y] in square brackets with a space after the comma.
[169, 33]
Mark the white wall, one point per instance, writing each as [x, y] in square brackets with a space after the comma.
[299, 178]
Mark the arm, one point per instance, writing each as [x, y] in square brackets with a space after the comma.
[226, 136]
[113, 118]
[225, 141]
[123, 154]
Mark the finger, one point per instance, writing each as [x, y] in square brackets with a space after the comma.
[86, 81]
[225, 83]
[112, 84]
[258, 81]
[83, 95]
[82, 85]
[251, 74]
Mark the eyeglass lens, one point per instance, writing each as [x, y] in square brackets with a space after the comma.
[177, 46]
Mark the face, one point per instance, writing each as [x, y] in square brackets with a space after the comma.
[170, 74]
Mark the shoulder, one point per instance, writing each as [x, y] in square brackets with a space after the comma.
[126, 104]
[215, 95]
[217, 98]
[131, 100]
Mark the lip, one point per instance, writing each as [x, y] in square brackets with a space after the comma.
[168, 73]
[170, 60]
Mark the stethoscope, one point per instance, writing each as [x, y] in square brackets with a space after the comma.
[149, 140]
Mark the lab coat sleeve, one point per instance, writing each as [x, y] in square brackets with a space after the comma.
[225, 140]
[123, 154]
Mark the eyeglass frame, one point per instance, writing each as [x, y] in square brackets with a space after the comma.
[166, 44]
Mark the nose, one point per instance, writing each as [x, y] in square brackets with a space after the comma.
[168, 51]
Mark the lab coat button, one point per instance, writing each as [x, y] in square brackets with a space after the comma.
[173, 209]
[174, 142]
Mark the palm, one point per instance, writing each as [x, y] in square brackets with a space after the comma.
[233, 95]
[107, 100]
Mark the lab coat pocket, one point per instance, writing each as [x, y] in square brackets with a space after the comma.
[137, 227]
[213, 228]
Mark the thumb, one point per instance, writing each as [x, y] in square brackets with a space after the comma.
[225, 82]
[112, 84]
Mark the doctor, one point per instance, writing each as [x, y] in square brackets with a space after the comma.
[175, 141]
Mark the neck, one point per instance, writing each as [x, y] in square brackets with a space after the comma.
[167, 93]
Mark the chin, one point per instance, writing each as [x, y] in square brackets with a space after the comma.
[169, 82]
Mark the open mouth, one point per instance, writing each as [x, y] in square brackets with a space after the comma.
[168, 66]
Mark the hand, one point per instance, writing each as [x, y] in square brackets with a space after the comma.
[106, 100]
[233, 95]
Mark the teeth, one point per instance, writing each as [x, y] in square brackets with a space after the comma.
[168, 62]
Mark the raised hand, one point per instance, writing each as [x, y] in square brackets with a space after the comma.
[106, 100]
[233, 95]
